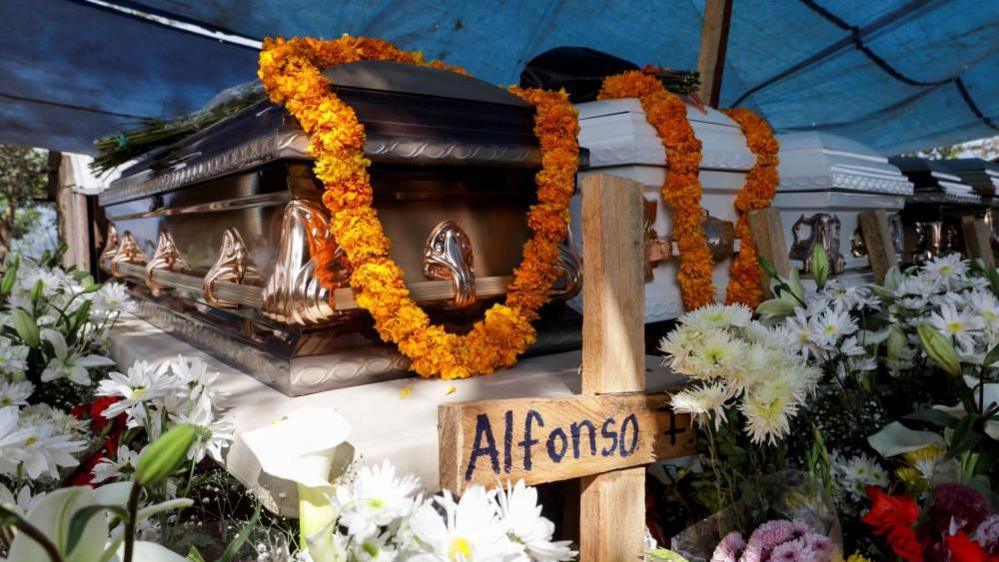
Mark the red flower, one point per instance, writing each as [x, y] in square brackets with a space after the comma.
[894, 516]
[963, 549]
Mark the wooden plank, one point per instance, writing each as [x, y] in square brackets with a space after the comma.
[608, 505]
[552, 439]
[877, 238]
[714, 44]
[612, 505]
[768, 236]
[976, 240]
[614, 286]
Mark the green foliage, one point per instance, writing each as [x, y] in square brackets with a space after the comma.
[23, 177]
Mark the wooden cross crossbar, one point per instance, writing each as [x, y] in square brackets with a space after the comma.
[607, 434]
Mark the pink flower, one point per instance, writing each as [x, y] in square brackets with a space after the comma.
[729, 549]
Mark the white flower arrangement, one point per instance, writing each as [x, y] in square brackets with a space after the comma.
[739, 363]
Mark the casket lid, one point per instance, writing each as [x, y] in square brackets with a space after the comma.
[412, 116]
[934, 181]
[817, 161]
[617, 134]
[979, 173]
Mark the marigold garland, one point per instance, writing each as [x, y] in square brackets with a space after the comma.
[667, 113]
[291, 73]
[745, 284]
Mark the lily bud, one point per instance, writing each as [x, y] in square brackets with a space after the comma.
[940, 350]
[165, 455]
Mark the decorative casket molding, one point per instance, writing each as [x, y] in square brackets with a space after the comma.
[621, 142]
[825, 182]
[933, 216]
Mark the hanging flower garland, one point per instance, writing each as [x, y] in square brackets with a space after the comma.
[291, 73]
[667, 113]
[745, 285]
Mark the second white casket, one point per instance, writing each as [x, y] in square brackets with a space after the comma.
[622, 143]
[826, 181]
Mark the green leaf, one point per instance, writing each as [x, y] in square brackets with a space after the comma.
[892, 279]
[10, 276]
[237, 543]
[794, 283]
[939, 349]
[775, 308]
[820, 265]
[666, 555]
[36, 292]
[78, 524]
[933, 416]
[767, 266]
[165, 455]
[26, 328]
[882, 293]
[194, 555]
[965, 437]
[991, 357]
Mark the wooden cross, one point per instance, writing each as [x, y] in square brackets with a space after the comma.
[607, 434]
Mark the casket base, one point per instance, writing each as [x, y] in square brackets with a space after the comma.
[290, 363]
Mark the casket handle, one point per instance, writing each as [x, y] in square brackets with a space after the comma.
[718, 233]
[448, 255]
[823, 228]
[110, 247]
[233, 266]
[128, 252]
[166, 258]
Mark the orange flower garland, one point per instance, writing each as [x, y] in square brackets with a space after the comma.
[745, 285]
[291, 74]
[667, 113]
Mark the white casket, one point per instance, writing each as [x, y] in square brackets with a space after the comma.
[622, 143]
[826, 181]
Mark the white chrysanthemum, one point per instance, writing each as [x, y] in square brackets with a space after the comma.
[194, 376]
[946, 271]
[376, 498]
[520, 513]
[677, 346]
[13, 358]
[470, 529]
[984, 304]
[768, 408]
[800, 333]
[118, 468]
[854, 475]
[143, 383]
[69, 363]
[701, 402]
[718, 317]
[961, 326]
[15, 393]
[718, 355]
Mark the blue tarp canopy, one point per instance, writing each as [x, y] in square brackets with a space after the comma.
[894, 74]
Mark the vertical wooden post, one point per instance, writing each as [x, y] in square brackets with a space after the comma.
[612, 504]
[768, 236]
[976, 240]
[877, 238]
[714, 43]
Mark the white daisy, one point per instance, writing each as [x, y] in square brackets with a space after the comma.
[470, 529]
[960, 326]
[45, 451]
[828, 327]
[120, 467]
[15, 393]
[946, 271]
[520, 513]
[213, 435]
[68, 363]
[113, 298]
[376, 498]
[856, 474]
[13, 358]
[373, 549]
[12, 439]
[143, 383]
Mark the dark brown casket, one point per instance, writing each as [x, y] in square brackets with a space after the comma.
[216, 232]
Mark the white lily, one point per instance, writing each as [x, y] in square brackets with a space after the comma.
[991, 396]
[68, 363]
[896, 439]
[52, 517]
[305, 447]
